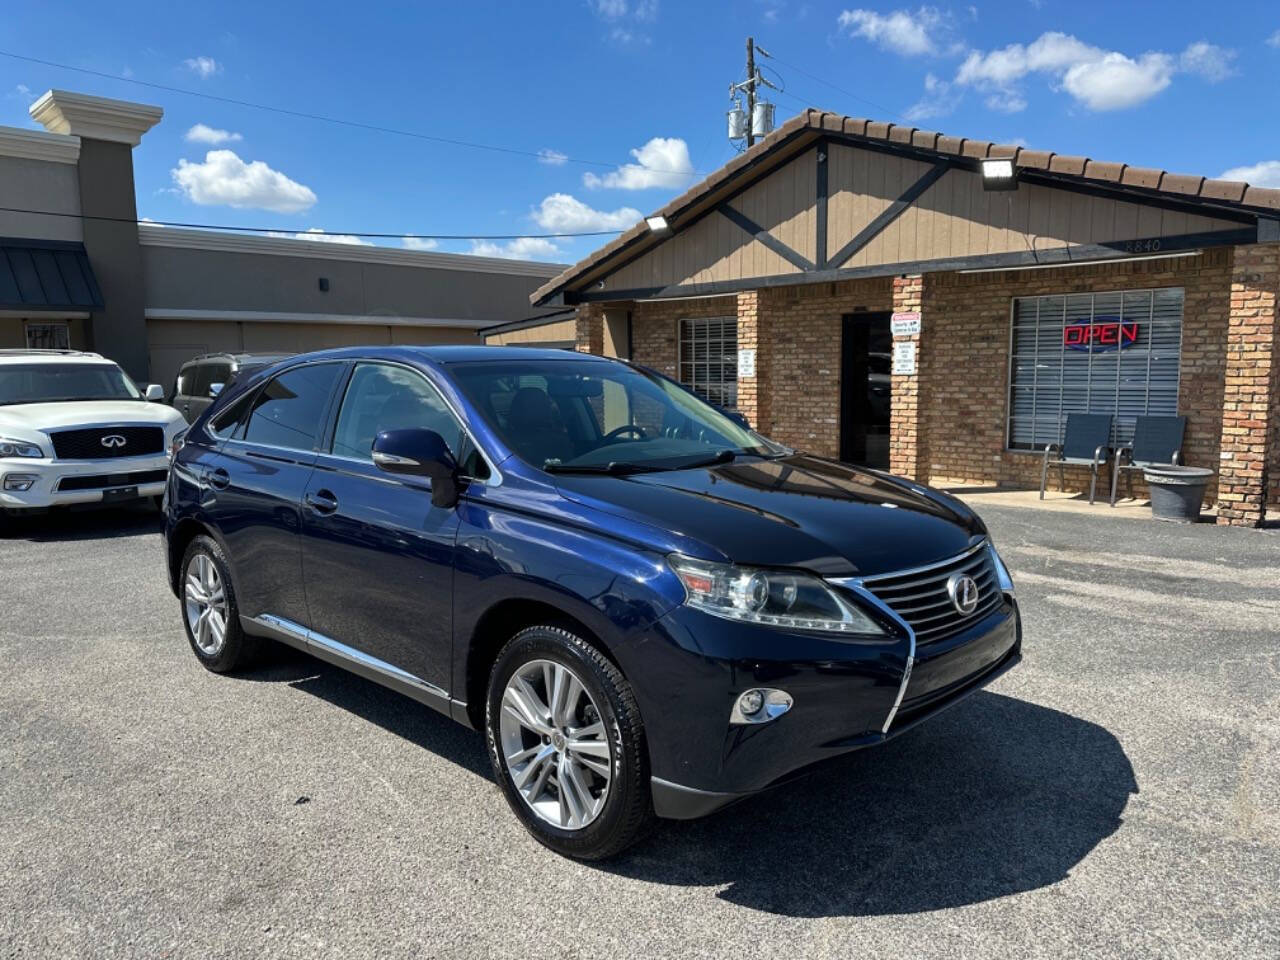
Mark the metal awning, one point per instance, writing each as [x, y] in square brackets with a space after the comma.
[40, 275]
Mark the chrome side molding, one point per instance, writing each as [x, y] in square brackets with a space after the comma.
[357, 661]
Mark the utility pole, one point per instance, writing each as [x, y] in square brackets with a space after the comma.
[751, 91]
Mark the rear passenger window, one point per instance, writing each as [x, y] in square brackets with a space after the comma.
[385, 397]
[287, 412]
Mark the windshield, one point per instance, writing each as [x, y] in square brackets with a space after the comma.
[564, 415]
[52, 382]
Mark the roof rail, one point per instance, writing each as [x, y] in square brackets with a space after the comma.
[47, 351]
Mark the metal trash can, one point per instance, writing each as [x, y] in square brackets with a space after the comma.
[1177, 492]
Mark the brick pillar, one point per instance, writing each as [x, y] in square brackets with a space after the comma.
[1253, 380]
[751, 390]
[588, 329]
[905, 434]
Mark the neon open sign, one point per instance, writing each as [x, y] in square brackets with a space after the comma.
[1104, 333]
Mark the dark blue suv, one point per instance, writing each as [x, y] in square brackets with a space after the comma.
[648, 608]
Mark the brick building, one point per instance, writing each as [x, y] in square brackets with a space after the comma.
[891, 296]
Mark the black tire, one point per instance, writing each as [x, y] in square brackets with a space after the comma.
[627, 813]
[238, 649]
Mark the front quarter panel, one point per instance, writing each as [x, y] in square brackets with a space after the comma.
[615, 587]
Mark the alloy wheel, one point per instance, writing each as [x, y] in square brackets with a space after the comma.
[205, 603]
[554, 744]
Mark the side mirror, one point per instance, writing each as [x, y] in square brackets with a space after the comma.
[154, 393]
[416, 452]
[215, 389]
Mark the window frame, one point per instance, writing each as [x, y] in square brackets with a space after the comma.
[1038, 449]
[680, 359]
[29, 325]
[467, 441]
[240, 433]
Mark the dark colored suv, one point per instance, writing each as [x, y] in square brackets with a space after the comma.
[646, 607]
[200, 380]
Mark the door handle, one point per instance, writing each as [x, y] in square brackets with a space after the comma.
[322, 501]
[219, 478]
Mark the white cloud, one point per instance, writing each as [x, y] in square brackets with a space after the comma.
[939, 100]
[1099, 79]
[646, 11]
[521, 248]
[1209, 61]
[903, 32]
[609, 9]
[1117, 82]
[662, 162]
[552, 158]
[224, 179]
[201, 133]
[315, 233]
[565, 214]
[418, 243]
[1264, 174]
[203, 67]
[1274, 39]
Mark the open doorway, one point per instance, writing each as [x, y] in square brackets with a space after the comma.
[866, 347]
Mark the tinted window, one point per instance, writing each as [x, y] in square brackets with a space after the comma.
[287, 412]
[198, 384]
[186, 376]
[224, 423]
[217, 373]
[385, 397]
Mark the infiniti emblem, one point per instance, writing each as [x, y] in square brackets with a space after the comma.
[963, 591]
[113, 440]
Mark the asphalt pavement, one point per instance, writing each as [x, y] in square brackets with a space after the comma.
[1114, 795]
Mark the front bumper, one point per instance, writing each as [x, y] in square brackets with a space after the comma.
[67, 482]
[844, 695]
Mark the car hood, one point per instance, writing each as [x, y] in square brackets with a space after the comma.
[86, 413]
[798, 511]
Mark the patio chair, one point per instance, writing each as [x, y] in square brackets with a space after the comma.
[1087, 443]
[1157, 441]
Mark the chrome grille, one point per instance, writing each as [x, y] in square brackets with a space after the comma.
[920, 596]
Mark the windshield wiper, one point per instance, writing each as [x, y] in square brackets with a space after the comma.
[613, 467]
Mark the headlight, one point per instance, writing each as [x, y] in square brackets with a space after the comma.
[177, 443]
[795, 601]
[19, 448]
[1002, 572]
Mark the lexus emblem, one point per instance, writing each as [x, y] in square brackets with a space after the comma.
[963, 591]
[113, 440]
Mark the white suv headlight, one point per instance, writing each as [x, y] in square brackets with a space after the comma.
[19, 448]
[795, 601]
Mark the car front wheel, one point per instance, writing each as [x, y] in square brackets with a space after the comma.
[567, 744]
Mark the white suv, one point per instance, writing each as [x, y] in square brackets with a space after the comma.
[75, 429]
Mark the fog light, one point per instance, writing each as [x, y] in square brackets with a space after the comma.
[19, 481]
[760, 705]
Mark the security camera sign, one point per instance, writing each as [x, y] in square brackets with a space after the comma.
[904, 324]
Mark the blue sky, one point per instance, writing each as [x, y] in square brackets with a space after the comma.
[639, 87]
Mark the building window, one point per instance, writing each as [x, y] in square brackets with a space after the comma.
[709, 359]
[1115, 353]
[48, 336]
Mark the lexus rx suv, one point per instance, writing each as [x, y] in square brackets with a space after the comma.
[647, 608]
[74, 429]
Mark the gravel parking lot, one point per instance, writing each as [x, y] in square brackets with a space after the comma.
[1114, 795]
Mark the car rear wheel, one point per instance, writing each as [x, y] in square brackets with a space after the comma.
[567, 744]
[209, 611]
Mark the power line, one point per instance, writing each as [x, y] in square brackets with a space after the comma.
[324, 233]
[871, 103]
[322, 118]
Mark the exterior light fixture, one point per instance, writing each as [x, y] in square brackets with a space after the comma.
[999, 175]
[657, 224]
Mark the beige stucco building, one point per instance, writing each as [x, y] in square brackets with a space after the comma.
[78, 270]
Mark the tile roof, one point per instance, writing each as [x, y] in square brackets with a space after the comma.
[817, 122]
